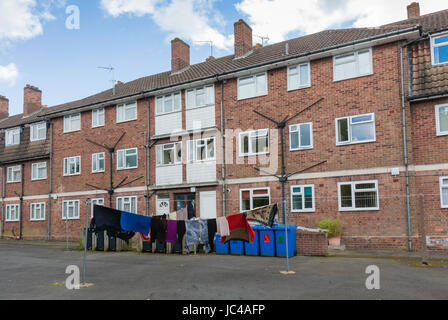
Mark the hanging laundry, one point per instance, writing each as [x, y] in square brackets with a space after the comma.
[265, 215]
[110, 220]
[197, 232]
[158, 228]
[191, 210]
[205, 235]
[172, 216]
[222, 226]
[212, 228]
[135, 222]
[182, 214]
[171, 233]
[240, 229]
[181, 230]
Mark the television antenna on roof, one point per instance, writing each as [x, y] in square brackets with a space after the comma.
[263, 38]
[112, 71]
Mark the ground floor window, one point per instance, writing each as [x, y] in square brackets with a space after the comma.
[128, 204]
[444, 191]
[254, 198]
[358, 196]
[12, 212]
[70, 209]
[98, 202]
[302, 198]
[37, 211]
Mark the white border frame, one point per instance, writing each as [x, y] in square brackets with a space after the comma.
[104, 117]
[74, 174]
[7, 174]
[124, 106]
[33, 139]
[132, 197]
[18, 211]
[104, 158]
[433, 45]
[353, 183]
[350, 129]
[205, 90]
[35, 164]
[12, 130]
[91, 205]
[71, 116]
[31, 211]
[163, 96]
[195, 160]
[130, 168]
[160, 147]
[251, 190]
[79, 210]
[253, 76]
[441, 194]
[298, 66]
[253, 154]
[299, 131]
[438, 132]
[303, 186]
[358, 75]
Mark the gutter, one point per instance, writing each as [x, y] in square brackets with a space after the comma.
[430, 96]
[42, 156]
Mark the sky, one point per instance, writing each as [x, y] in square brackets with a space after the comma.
[58, 45]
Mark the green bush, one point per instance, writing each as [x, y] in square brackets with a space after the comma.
[333, 226]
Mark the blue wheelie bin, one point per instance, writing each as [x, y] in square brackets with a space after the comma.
[267, 242]
[280, 240]
[237, 247]
[253, 249]
[221, 248]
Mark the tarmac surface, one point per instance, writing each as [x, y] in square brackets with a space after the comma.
[38, 272]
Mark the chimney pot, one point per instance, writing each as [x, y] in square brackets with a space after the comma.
[243, 38]
[180, 55]
[32, 100]
[413, 10]
[4, 107]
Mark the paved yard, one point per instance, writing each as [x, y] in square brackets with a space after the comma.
[31, 272]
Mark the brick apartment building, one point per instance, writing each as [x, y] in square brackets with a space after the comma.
[189, 137]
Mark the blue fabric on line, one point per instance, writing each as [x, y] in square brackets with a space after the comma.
[135, 222]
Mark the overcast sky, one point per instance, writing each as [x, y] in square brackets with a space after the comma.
[133, 36]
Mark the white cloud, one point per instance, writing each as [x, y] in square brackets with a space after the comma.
[277, 18]
[136, 7]
[9, 73]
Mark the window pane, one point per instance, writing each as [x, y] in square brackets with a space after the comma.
[304, 75]
[246, 89]
[131, 161]
[346, 196]
[365, 199]
[293, 81]
[441, 54]
[191, 99]
[245, 204]
[294, 140]
[308, 198]
[305, 135]
[168, 104]
[261, 84]
[177, 102]
[363, 132]
[260, 202]
[441, 40]
[343, 130]
[120, 156]
[297, 202]
[365, 62]
[211, 148]
[445, 197]
[245, 144]
[159, 105]
[443, 119]
[200, 97]
[365, 186]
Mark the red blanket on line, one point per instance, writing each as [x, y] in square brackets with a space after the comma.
[239, 228]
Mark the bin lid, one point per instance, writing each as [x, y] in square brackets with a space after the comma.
[281, 227]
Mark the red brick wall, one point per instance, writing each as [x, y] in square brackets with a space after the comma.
[311, 243]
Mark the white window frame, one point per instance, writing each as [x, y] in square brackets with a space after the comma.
[258, 92]
[289, 74]
[72, 203]
[437, 109]
[35, 171]
[42, 213]
[127, 199]
[94, 202]
[68, 123]
[443, 186]
[195, 145]
[96, 161]
[41, 126]
[353, 188]
[299, 131]
[168, 146]
[350, 118]
[163, 98]
[434, 45]
[356, 57]
[192, 94]
[251, 190]
[98, 114]
[10, 174]
[303, 186]
[123, 151]
[67, 167]
[121, 111]
[250, 152]
[16, 212]
[9, 136]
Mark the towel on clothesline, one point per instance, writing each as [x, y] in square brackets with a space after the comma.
[171, 234]
[108, 219]
[265, 215]
[240, 229]
[159, 228]
[222, 227]
[135, 222]
[197, 232]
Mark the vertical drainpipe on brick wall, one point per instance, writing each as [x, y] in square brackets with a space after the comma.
[21, 202]
[147, 163]
[51, 183]
[3, 203]
[223, 165]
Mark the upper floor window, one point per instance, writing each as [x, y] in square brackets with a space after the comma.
[127, 159]
[254, 142]
[356, 129]
[444, 191]
[12, 137]
[299, 76]
[439, 49]
[13, 174]
[38, 131]
[127, 112]
[128, 204]
[97, 118]
[352, 65]
[98, 160]
[302, 198]
[201, 150]
[442, 119]
[39, 171]
[254, 198]
[168, 103]
[72, 123]
[301, 136]
[12, 212]
[357, 196]
[200, 97]
[72, 166]
[170, 153]
[253, 86]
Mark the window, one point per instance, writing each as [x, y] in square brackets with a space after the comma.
[37, 211]
[38, 131]
[70, 209]
[302, 198]
[356, 129]
[127, 159]
[353, 65]
[12, 212]
[358, 196]
[98, 162]
[128, 204]
[14, 174]
[439, 49]
[72, 166]
[98, 202]
[444, 191]
[97, 118]
[254, 142]
[442, 119]
[39, 171]
[201, 150]
[72, 123]
[168, 103]
[254, 198]
[127, 112]
[169, 154]
[301, 136]
[200, 97]
[299, 76]
[253, 86]
[12, 137]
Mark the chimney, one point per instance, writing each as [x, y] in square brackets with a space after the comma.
[413, 10]
[4, 107]
[243, 38]
[180, 55]
[32, 100]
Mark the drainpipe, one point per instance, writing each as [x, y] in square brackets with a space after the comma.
[2, 229]
[223, 165]
[21, 202]
[147, 153]
[51, 183]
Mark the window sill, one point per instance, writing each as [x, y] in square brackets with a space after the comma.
[166, 113]
[253, 155]
[200, 107]
[72, 131]
[355, 77]
[303, 211]
[38, 140]
[98, 127]
[123, 169]
[32, 180]
[299, 88]
[12, 145]
[358, 210]
[354, 143]
[72, 175]
[168, 165]
[442, 134]
[124, 121]
[442, 64]
[96, 172]
[242, 99]
[38, 220]
[12, 182]
[63, 219]
[301, 149]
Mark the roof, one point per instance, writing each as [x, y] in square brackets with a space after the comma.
[20, 119]
[430, 23]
